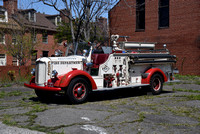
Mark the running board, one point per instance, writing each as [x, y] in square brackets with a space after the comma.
[132, 86]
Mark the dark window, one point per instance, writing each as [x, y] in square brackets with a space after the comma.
[163, 13]
[140, 15]
[45, 53]
[45, 38]
[2, 39]
[2, 14]
[31, 16]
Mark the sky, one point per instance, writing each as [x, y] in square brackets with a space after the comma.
[39, 7]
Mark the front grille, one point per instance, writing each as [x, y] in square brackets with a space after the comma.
[40, 74]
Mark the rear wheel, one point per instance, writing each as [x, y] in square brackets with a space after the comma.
[78, 90]
[156, 84]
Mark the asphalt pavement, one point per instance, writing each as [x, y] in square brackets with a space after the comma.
[130, 111]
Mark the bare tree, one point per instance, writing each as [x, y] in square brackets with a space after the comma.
[80, 13]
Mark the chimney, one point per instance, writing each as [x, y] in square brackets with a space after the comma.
[11, 6]
[102, 21]
[64, 18]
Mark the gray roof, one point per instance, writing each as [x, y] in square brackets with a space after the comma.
[41, 20]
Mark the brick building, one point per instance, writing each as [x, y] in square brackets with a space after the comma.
[42, 28]
[172, 22]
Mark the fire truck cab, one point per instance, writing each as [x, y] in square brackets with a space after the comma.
[129, 64]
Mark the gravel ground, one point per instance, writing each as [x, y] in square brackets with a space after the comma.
[175, 111]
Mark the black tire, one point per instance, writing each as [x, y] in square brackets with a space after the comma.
[156, 84]
[78, 90]
[44, 95]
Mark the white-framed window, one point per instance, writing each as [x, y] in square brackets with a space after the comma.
[45, 38]
[2, 59]
[15, 61]
[2, 38]
[3, 15]
[58, 20]
[14, 40]
[32, 16]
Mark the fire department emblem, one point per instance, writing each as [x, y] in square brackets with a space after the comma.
[105, 68]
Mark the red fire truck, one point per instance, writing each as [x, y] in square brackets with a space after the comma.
[127, 64]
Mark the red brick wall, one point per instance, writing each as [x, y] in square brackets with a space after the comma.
[51, 46]
[182, 37]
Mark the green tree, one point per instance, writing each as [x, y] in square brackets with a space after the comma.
[64, 33]
[20, 44]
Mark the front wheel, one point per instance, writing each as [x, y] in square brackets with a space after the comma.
[156, 84]
[78, 90]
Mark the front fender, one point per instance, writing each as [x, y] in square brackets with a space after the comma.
[152, 71]
[64, 80]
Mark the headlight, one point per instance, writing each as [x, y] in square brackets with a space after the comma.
[54, 73]
[33, 71]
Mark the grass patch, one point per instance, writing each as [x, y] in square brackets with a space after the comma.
[6, 85]
[197, 82]
[189, 97]
[186, 77]
[32, 116]
[181, 111]
[15, 93]
[123, 102]
[5, 81]
[186, 90]
[21, 80]
[7, 119]
[146, 97]
[141, 116]
[24, 103]
[193, 97]
[113, 106]
[38, 108]
[2, 94]
[140, 119]
[192, 78]
[9, 94]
